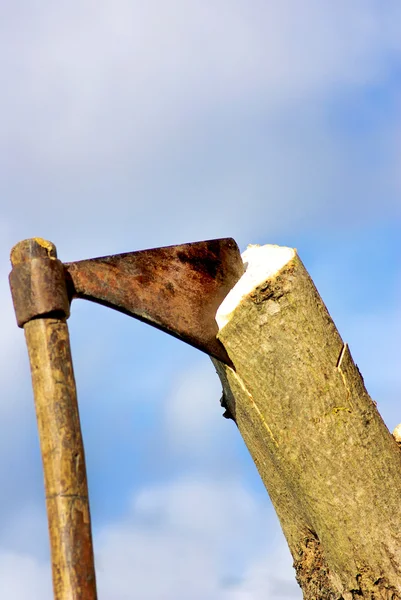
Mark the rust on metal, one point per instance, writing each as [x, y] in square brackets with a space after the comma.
[37, 281]
[177, 289]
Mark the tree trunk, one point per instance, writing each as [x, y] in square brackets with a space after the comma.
[330, 465]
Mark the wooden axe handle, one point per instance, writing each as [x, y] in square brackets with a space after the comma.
[57, 414]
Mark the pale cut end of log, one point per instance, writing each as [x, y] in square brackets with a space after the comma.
[397, 434]
[260, 263]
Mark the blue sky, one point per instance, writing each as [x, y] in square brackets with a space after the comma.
[127, 126]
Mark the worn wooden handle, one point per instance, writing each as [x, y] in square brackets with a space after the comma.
[62, 450]
[63, 459]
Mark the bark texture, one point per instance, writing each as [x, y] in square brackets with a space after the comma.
[329, 463]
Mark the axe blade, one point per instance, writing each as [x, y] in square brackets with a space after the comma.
[177, 289]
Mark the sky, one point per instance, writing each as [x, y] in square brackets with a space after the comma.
[131, 125]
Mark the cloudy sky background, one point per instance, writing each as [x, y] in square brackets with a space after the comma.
[127, 125]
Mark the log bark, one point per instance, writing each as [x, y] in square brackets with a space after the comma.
[328, 461]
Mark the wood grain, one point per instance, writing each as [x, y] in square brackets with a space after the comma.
[41, 303]
[63, 459]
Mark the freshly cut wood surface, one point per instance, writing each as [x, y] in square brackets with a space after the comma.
[329, 463]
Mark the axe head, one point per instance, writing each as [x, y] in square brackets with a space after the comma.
[177, 289]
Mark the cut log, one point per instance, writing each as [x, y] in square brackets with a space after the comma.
[330, 465]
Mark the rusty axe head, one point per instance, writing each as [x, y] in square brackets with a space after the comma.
[177, 289]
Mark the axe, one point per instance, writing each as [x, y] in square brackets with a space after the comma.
[177, 289]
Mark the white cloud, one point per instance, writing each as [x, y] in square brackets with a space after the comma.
[269, 577]
[140, 124]
[87, 81]
[23, 576]
[189, 538]
[192, 539]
